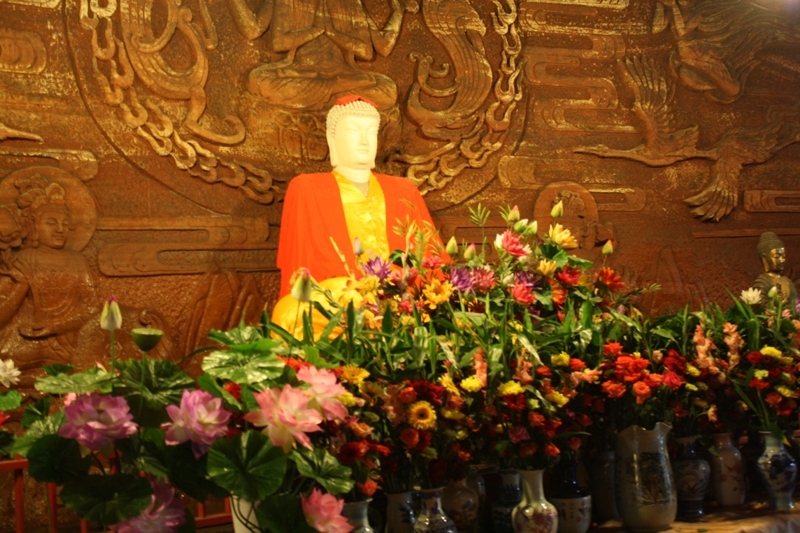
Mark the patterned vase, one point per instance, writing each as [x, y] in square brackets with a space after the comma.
[399, 513]
[508, 498]
[646, 497]
[573, 502]
[476, 482]
[461, 504]
[432, 519]
[356, 514]
[727, 471]
[692, 475]
[604, 501]
[534, 514]
[778, 472]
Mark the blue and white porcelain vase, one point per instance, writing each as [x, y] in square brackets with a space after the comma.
[778, 472]
[432, 518]
[399, 513]
[692, 475]
[508, 498]
[356, 514]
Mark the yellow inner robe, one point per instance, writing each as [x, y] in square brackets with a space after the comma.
[365, 217]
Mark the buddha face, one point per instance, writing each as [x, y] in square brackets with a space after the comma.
[51, 228]
[355, 142]
[775, 260]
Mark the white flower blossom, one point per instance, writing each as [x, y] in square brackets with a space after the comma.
[8, 373]
[751, 296]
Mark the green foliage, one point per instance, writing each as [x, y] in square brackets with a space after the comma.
[248, 465]
[149, 386]
[106, 500]
[322, 467]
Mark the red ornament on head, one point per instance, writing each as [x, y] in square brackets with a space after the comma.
[344, 100]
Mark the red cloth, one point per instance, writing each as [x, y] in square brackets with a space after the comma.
[313, 213]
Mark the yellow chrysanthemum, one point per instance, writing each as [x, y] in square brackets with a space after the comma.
[692, 370]
[533, 404]
[347, 399]
[509, 387]
[437, 292]
[471, 384]
[699, 402]
[429, 453]
[353, 374]
[691, 387]
[547, 267]
[561, 359]
[461, 434]
[769, 351]
[785, 391]
[702, 386]
[557, 398]
[369, 284]
[451, 414]
[421, 415]
[447, 383]
[761, 374]
[370, 388]
[786, 361]
[562, 237]
[637, 354]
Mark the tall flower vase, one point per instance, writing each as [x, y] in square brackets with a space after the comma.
[432, 519]
[534, 514]
[461, 504]
[646, 497]
[573, 502]
[778, 471]
[727, 471]
[399, 513]
[508, 498]
[692, 475]
[243, 516]
[601, 473]
[356, 514]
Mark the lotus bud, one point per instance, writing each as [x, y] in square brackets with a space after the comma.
[469, 252]
[520, 226]
[509, 280]
[452, 246]
[513, 215]
[301, 290]
[773, 292]
[558, 210]
[358, 248]
[532, 229]
[111, 317]
[608, 247]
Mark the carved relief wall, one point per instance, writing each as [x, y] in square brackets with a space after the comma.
[160, 135]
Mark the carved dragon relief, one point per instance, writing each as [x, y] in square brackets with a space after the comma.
[138, 56]
[469, 136]
[665, 144]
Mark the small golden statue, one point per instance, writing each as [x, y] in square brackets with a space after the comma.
[773, 257]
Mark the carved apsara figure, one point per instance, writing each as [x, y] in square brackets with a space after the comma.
[47, 293]
[773, 258]
[321, 41]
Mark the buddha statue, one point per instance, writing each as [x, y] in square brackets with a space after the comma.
[324, 213]
[773, 258]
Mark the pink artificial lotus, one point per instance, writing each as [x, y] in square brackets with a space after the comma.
[324, 391]
[324, 513]
[96, 421]
[200, 419]
[286, 415]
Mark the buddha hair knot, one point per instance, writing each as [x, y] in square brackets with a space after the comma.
[769, 241]
[350, 106]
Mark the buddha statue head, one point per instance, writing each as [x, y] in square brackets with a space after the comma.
[352, 131]
[772, 252]
[44, 209]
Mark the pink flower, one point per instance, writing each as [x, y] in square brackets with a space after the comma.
[164, 514]
[518, 434]
[324, 513]
[286, 416]
[95, 421]
[432, 262]
[673, 380]
[484, 279]
[324, 391]
[481, 368]
[200, 419]
[522, 373]
[522, 294]
[510, 242]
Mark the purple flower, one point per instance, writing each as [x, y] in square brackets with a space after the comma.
[528, 279]
[95, 421]
[200, 419]
[377, 267]
[164, 514]
[462, 279]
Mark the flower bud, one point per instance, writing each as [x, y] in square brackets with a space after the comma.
[470, 253]
[608, 247]
[773, 292]
[301, 290]
[557, 210]
[111, 317]
[532, 229]
[521, 226]
[358, 248]
[452, 246]
[513, 215]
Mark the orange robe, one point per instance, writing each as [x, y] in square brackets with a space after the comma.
[313, 214]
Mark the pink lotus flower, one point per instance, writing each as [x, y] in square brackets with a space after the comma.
[200, 419]
[324, 513]
[164, 514]
[484, 279]
[95, 421]
[324, 391]
[286, 415]
[510, 242]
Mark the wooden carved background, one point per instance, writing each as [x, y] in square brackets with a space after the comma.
[161, 135]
